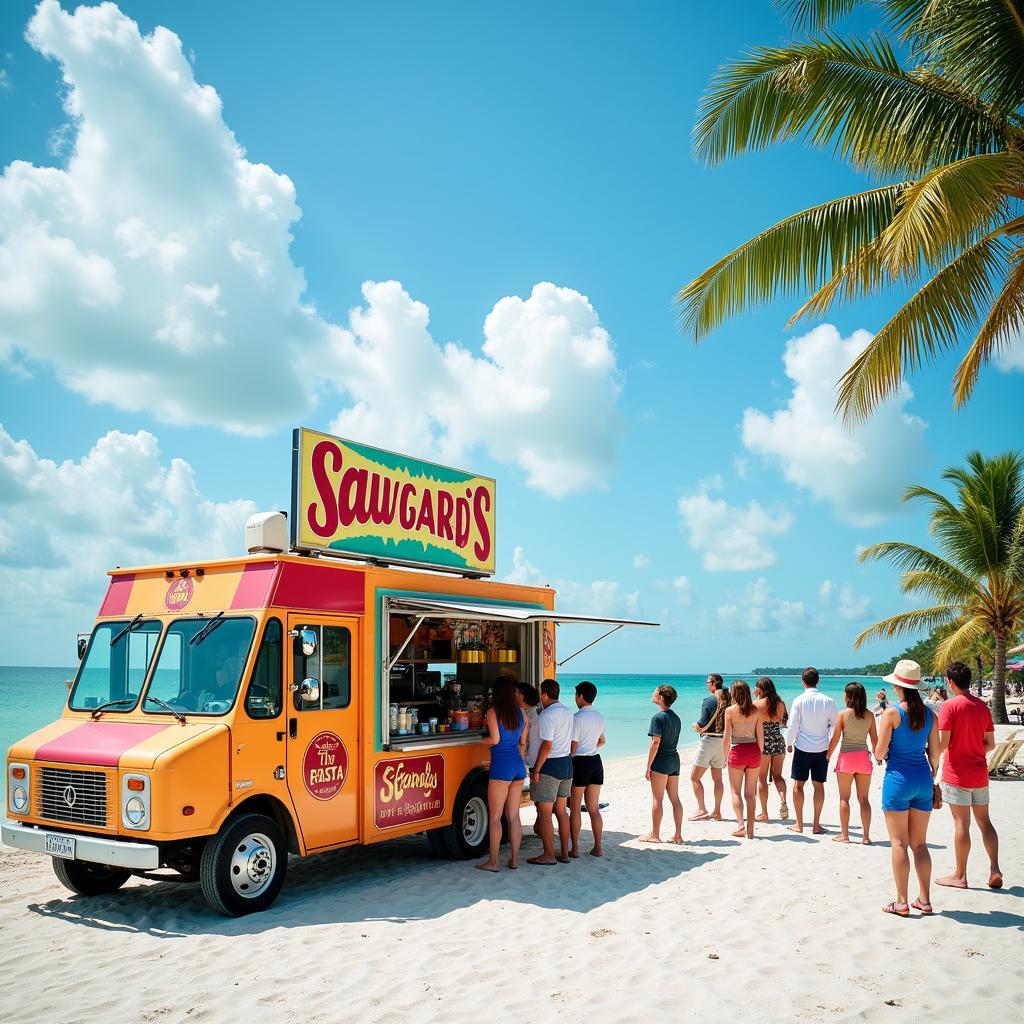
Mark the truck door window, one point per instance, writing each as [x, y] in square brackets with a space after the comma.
[263, 697]
[330, 664]
[115, 673]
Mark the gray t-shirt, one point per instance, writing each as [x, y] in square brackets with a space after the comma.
[708, 708]
[665, 724]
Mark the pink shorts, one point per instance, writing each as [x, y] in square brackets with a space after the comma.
[745, 755]
[854, 762]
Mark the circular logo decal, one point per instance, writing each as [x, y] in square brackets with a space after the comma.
[179, 593]
[325, 766]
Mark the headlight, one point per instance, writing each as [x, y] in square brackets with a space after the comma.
[19, 785]
[135, 811]
[135, 801]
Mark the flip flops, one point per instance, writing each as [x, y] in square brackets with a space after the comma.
[897, 909]
[925, 908]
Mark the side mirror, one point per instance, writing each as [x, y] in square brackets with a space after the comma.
[307, 639]
[83, 645]
[309, 691]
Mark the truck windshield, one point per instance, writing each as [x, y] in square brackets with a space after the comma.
[200, 677]
[115, 671]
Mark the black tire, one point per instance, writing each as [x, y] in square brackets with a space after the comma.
[466, 836]
[249, 853]
[89, 879]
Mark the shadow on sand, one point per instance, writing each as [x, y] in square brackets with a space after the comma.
[396, 881]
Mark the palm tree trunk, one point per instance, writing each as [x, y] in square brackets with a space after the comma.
[999, 715]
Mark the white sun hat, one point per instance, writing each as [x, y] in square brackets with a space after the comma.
[906, 674]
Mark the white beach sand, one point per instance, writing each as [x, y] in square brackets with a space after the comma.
[388, 934]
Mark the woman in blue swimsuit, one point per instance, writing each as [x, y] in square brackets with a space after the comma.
[908, 739]
[507, 733]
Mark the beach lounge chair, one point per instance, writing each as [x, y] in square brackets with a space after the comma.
[1001, 762]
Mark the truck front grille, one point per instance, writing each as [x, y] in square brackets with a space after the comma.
[74, 795]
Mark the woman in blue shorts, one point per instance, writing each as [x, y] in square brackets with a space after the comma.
[507, 734]
[908, 738]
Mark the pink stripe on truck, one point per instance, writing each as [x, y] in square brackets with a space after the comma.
[99, 743]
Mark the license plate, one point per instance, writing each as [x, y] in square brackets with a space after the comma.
[60, 846]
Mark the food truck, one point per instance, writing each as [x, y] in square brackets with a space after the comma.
[227, 714]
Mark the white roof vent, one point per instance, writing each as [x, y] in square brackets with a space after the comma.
[266, 532]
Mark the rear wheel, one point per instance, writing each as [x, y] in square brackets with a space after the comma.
[466, 836]
[89, 879]
[243, 866]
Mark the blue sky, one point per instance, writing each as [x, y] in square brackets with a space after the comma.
[478, 156]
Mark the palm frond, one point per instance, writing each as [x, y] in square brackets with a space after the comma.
[948, 208]
[979, 43]
[911, 558]
[1002, 326]
[850, 96]
[909, 622]
[798, 252]
[958, 644]
[815, 15]
[929, 323]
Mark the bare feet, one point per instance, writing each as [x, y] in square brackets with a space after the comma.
[541, 860]
[784, 811]
[514, 865]
[488, 865]
[562, 859]
[819, 830]
[762, 818]
[995, 880]
[840, 839]
[650, 838]
[796, 828]
[739, 833]
[952, 881]
[717, 816]
[676, 839]
[699, 816]
[574, 853]
[865, 841]
[597, 852]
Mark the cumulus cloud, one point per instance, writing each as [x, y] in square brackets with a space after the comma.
[684, 590]
[641, 561]
[599, 597]
[153, 272]
[851, 606]
[63, 525]
[731, 537]
[542, 395]
[759, 610]
[861, 471]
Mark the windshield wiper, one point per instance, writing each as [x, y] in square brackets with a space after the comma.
[174, 711]
[111, 704]
[130, 628]
[217, 620]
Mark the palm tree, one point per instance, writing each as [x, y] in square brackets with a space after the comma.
[978, 581]
[935, 118]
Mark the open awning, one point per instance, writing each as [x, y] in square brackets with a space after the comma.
[501, 612]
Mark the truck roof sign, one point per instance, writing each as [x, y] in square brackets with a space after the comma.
[360, 502]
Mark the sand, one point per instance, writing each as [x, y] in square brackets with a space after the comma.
[777, 929]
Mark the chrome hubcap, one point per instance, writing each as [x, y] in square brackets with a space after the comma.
[252, 865]
[474, 821]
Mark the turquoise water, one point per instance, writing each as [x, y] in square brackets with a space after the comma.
[32, 697]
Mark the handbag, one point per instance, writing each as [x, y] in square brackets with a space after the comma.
[936, 796]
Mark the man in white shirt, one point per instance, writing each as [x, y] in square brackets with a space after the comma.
[811, 721]
[551, 779]
[587, 768]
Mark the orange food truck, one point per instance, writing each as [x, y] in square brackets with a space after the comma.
[228, 713]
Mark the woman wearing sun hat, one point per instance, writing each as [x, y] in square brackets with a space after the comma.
[908, 739]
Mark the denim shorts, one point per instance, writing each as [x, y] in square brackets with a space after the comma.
[904, 792]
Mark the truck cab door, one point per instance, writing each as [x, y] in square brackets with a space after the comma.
[323, 734]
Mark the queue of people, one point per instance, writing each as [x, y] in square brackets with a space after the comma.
[747, 735]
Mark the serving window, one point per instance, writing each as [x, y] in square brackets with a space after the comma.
[440, 673]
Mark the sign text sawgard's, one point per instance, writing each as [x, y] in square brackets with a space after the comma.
[355, 500]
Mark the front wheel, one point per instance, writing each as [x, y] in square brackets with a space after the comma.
[242, 868]
[89, 879]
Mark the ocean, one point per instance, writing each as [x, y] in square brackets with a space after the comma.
[32, 697]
